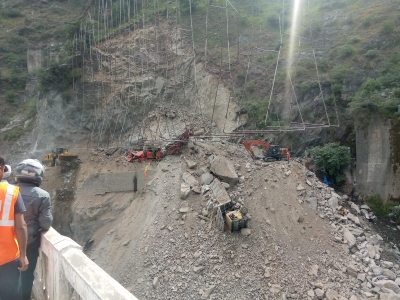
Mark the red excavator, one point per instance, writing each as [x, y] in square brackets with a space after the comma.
[270, 152]
[170, 149]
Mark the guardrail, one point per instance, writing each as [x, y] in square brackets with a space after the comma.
[64, 272]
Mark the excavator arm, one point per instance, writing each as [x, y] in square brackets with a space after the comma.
[248, 144]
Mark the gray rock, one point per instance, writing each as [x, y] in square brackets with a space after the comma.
[386, 264]
[300, 188]
[389, 273]
[185, 190]
[314, 270]
[199, 172]
[207, 292]
[319, 293]
[245, 246]
[184, 209]
[361, 277]
[355, 207]
[331, 294]
[377, 270]
[312, 203]
[364, 206]
[311, 293]
[245, 231]
[389, 284]
[352, 271]
[155, 282]
[349, 238]
[225, 185]
[389, 296]
[333, 202]
[189, 179]
[191, 164]
[224, 169]
[206, 178]
[275, 288]
[371, 251]
[126, 243]
[198, 269]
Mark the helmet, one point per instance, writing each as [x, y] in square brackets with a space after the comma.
[7, 171]
[30, 171]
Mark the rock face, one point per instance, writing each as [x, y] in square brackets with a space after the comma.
[224, 169]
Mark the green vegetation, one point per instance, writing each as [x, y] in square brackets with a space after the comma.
[257, 111]
[378, 95]
[388, 27]
[372, 53]
[333, 158]
[346, 51]
[57, 76]
[12, 13]
[11, 97]
[251, 87]
[388, 209]
[338, 74]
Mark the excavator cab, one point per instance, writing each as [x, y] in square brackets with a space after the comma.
[60, 151]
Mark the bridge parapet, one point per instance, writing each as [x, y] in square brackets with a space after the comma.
[64, 272]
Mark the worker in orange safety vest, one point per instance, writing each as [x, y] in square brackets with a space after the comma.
[13, 239]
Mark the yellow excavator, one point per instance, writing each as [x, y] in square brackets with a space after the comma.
[61, 154]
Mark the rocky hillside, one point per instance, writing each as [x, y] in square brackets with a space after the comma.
[303, 240]
[213, 62]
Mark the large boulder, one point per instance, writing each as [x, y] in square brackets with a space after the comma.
[190, 180]
[389, 284]
[224, 169]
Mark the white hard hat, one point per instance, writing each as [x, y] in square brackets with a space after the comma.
[7, 171]
[30, 171]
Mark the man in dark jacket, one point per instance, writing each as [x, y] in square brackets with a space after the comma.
[38, 215]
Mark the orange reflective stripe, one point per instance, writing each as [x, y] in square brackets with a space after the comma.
[9, 249]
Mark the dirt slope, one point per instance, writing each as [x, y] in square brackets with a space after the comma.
[302, 243]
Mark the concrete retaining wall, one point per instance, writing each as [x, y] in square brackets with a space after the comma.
[103, 183]
[63, 272]
[377, 167]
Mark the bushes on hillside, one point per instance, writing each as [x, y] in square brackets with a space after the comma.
[333, 158]
[378, 95]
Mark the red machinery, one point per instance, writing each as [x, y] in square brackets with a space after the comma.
[271, 153]
[170, 149]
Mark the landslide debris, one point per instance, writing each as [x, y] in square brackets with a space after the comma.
[303, 240]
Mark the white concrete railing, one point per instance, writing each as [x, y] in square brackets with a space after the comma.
[64, 272]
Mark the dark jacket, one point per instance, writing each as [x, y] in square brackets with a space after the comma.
[38, 215]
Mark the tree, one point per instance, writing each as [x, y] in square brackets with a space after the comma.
[332, 158]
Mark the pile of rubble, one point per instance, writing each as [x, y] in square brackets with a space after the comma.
[370, 276]
[304, 240]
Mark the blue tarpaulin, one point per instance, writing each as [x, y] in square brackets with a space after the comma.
[326, 181]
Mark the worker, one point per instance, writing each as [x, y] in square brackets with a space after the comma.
[6, 173]
[13, 239]
[38, 215]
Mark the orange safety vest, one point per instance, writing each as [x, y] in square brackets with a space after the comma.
[9, 249]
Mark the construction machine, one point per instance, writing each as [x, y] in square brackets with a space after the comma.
[61, 154]
[156, 153]
[270, 152]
